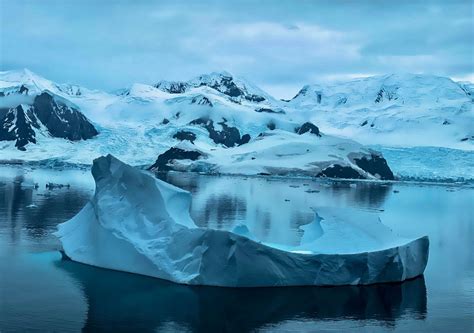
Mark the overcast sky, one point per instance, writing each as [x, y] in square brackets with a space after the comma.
[279, 45]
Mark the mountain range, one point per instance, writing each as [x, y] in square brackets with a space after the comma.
[218, 123]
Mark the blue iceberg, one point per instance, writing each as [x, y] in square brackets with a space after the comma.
[139, 224]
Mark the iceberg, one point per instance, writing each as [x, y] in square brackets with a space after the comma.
[139, 224]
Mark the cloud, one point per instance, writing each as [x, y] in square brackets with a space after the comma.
[280, 45]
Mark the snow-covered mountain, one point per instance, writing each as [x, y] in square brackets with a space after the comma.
[236, 89]
[31, 106]
[398, 110]
[224, 124]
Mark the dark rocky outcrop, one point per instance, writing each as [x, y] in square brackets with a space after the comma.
[172, 87]
[308, 127]
[185, 135]
[271, 126]
[268, 110]
[338, 171]
[201, 100]
[222, 82]
[302, 92]
[59, 119]
[386, 93]
[18, 90]
[375, 165]
[254, 98]
[18, 124]
[244, 139]
[174, 153]
[225, 84]
[229, 136]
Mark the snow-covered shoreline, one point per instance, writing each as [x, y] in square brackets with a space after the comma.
[229, 126]
[402, 176]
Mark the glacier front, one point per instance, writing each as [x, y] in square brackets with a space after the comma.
[139, 224]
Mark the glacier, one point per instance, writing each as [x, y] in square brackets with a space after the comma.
[139, 224]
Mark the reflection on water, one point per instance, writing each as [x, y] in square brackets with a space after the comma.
[38, 291]
[272, 209]
[32, 212]
[143, 304]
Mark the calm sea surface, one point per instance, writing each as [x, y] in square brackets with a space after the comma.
[40, 292]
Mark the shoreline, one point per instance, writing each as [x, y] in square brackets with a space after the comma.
[59, 166]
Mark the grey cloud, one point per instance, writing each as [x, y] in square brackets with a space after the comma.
[277, 44]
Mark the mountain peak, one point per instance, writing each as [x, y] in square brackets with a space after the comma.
[223, 82]
[405, 88]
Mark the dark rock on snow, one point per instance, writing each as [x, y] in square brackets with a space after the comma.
[268, 110]
[18, 124]
[163, 160]
[375, 165]
[308, 127]
[59, 119]
[172, 87]
[229, 136]
[337, 171]
[201, 100]
[185, 135]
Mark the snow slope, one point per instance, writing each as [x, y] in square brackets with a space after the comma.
[147, 222]
[402, 110]
[223, 116]
[232, 121]
[279, 152]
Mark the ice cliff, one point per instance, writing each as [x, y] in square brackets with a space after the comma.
[139, 224]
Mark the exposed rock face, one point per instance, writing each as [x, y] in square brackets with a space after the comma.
[337, 171]
[185, 135]
[171, 154]
[308, 127]
[268, 110]
[63, 121]
[375, 165]
[222, 82]
[201, 100]
[271, 126]
[46, 113]
[225, 83]
[18, 124]
[372, 163]
[175, 87]
[302, 92]
[16, 90]
[229, 136]
[244, 139]
[386, 93]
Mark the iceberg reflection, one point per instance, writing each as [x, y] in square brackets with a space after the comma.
[118, 300]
